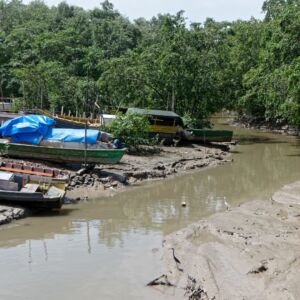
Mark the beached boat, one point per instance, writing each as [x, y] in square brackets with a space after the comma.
[35, 173]
[33, 136]
[66, 121]
[62, 154]
[14, 190]
[164, 124]
[208, 135]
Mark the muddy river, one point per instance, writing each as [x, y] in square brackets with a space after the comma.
[109, 248]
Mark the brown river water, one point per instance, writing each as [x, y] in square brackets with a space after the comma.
[110, 248]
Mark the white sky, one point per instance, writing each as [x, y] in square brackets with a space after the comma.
[195, 10]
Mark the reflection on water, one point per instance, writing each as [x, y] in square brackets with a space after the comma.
[107, 248]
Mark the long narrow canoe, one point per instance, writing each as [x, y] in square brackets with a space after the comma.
[208, 135]
[61, 155]
[63, 121]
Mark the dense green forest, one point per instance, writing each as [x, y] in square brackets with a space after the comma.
[69, 56]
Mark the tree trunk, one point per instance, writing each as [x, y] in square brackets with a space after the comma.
[41, 91]
[173, 99]
[1, 90]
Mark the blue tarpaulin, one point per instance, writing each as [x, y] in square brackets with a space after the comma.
[33, 128]
[29, 138]
[27, 129]
[72, 135]
[26, 124]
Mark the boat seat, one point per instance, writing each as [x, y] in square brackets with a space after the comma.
[54, 192]
[30, 188]
[6, 185]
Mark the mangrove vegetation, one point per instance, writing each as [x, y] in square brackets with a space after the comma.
[67, 56]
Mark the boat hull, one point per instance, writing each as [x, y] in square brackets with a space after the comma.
[71, 122]
[61, 155]
[32, 199]
[209, 135]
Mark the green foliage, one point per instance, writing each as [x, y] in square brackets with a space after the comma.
[272, 84]
[17, 105]
[191, 122]
[131, 128]
[69, 56]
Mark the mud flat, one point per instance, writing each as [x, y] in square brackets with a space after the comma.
[247, 252]
[148, 163]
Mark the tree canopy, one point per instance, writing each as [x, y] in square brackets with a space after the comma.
[65, 55]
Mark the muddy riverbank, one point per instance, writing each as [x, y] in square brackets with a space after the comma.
[149, 163]
[247, 252]
[261, 124]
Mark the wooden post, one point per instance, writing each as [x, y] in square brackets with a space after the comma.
[85, 143]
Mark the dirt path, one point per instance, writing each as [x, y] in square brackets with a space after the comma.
[247, 252]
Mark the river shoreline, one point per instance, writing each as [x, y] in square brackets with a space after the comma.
[251, 123]
[247, 252]
[147, 164]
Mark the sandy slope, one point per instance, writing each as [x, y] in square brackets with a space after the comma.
[249, 252]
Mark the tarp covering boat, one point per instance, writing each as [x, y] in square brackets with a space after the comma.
[26, 124]
[27, 129]
[72, 135]
[32, 129]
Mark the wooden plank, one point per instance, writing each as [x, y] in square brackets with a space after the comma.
[26, 172]
[30, 188]
[9, 185]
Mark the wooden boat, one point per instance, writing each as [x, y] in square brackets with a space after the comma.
[65, 121]
[13, 189]
[207, 135]
[162, 123]
[62, 152]
[34, 173]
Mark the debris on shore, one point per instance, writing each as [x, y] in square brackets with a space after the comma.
[149, 165]
[249, 252]
[8, 214]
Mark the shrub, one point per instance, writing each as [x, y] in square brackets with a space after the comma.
[131, 129]
[192, 122]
